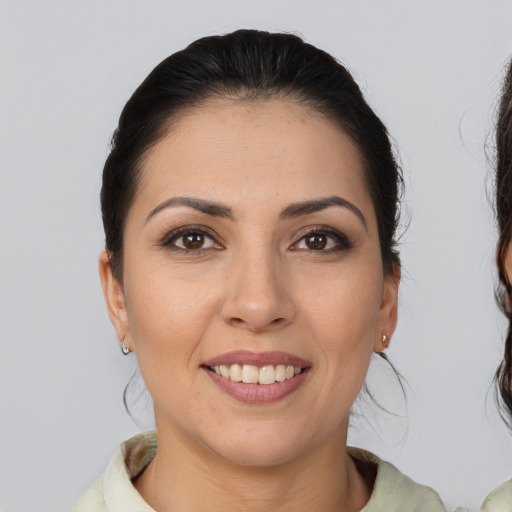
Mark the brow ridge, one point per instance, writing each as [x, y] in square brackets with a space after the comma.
[291, 211]
[208, 207]
[316, 205]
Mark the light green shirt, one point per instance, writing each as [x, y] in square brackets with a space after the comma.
[500, 500]
[114, 492]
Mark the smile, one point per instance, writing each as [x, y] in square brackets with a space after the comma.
[251, 374]
[258, 378]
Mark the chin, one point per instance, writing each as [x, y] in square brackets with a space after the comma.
[260, 448]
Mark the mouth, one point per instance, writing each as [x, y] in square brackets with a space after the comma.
[258, 378]
[251, 374]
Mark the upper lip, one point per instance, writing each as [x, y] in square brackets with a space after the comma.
[257, 359]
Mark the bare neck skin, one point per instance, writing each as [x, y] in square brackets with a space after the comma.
[186, 476]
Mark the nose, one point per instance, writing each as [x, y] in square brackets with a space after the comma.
[258, 294]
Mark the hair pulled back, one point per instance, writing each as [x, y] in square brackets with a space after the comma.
[504, 216]
[254, 66]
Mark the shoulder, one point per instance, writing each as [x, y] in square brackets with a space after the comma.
[113, 491]
[499, 500]
[92, 499]
[394, 492]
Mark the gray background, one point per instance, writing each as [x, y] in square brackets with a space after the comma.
[432, 71]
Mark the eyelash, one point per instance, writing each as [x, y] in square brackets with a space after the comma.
[170, 238]
[342, 243]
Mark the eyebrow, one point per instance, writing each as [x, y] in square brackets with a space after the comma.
[293, 210]
[316, 205]
[208, 207]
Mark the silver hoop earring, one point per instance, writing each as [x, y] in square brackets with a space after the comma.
[124, 349]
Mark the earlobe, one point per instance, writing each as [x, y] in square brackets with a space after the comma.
[114, 299]
[388, 314]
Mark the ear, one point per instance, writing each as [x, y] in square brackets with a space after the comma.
[388, 314]
[114, 299]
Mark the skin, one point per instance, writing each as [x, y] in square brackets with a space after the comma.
[507, 267]
[255, 285]
[508, 261]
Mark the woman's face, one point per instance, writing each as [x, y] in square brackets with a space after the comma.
[251, 252]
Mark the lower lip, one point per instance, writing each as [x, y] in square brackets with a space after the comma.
[258, 393]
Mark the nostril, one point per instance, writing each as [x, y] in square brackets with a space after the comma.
[257, 326]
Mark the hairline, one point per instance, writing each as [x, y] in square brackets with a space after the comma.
[238, 95]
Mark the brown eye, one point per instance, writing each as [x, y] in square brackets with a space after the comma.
[193, 241]
[323, 240]
[316, 241]
[190, 240]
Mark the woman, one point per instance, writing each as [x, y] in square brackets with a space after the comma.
[250, 203]
[501, 498]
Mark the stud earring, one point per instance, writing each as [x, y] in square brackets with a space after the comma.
[385, 340]
[124, 349]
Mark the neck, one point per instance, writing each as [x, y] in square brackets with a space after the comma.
[186, 476]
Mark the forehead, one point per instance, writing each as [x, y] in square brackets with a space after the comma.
[239, 151]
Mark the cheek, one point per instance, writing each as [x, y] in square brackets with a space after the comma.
[345, 319]
[168, 316]
[345, 303]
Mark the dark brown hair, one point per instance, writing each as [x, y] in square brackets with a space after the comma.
[248, 65]
[253, 66]
[504, 216]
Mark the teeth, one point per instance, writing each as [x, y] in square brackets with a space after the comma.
[250, 374]
[235, 373]
[280, 372]
[267, 375]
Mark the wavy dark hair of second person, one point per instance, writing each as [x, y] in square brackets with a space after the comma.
[503, 375]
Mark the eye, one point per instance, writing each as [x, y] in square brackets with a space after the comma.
[190, 240]
[316, 241]
[323, 240]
